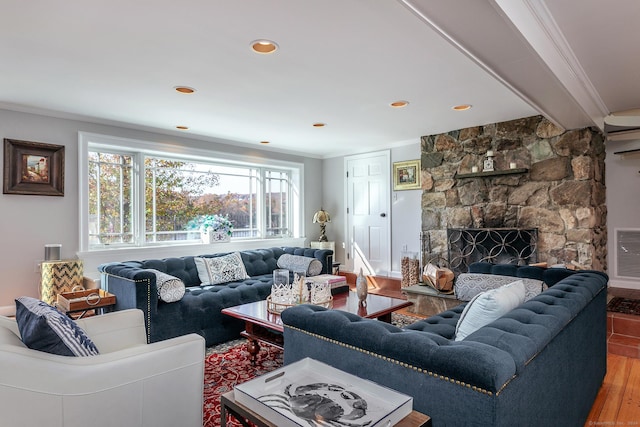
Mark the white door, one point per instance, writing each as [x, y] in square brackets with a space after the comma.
[368, 207]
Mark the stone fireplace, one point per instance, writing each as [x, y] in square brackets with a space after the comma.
[544, 178]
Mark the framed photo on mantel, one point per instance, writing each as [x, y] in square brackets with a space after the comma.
[33, 168]
[406, 175]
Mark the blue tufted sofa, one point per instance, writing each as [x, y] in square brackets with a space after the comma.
[199, 310]
[540, 364]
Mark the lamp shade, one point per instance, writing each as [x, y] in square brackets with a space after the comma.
[321, 216]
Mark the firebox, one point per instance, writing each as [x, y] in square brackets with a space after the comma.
[494, 245]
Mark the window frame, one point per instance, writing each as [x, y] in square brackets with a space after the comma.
[138, 149]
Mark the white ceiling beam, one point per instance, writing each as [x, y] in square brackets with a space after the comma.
[535, 22]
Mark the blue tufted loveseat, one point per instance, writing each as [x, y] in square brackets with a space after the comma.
[540, 364]
[199, 310]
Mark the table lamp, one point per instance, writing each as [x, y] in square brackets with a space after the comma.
[322, 217]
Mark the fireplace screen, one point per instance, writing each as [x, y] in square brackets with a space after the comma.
[494, 245]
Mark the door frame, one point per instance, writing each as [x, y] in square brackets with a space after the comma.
[349, 250]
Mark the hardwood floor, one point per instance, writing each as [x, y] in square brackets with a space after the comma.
[617, 403]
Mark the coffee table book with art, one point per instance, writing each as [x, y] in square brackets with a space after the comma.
[311, 393]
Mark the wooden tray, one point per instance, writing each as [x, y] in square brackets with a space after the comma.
[85, 300]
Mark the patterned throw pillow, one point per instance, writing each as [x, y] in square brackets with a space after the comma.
[170, 288]
[222, 269]
[488, 306]
[296, 263]
[468, 285]
[44, 328]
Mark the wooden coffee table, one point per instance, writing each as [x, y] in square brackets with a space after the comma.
[262, 326]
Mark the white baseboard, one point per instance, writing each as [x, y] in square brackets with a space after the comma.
[625, 284]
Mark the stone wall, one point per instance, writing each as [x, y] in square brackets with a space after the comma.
[562, 193]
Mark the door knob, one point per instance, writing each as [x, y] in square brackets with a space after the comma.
[383, 214]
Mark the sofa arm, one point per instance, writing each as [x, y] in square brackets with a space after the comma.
[325, 256]
[134, 287]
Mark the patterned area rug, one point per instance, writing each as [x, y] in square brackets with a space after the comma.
[624, 305]
[223, 370]
[228, 364]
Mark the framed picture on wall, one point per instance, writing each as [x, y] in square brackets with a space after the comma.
[33, 168]
[406, 175]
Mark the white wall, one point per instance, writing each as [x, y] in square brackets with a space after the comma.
[623, 201]
[27, 222]
[406, 212]
[405, 206]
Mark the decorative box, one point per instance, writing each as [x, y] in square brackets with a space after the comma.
[308, 392]
[85, 299]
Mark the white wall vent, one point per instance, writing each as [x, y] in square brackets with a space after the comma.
[628, 253]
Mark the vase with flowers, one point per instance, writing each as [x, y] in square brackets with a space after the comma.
[213, 228]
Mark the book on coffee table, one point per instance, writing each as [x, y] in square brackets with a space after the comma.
[306, 392]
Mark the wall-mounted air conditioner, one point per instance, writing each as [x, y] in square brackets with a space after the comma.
[627, 257]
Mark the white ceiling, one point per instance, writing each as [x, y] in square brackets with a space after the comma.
[340, 62]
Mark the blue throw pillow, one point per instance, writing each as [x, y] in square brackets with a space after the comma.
[44, 328]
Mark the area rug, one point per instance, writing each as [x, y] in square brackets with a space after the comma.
[624, 305]
[228, 364]
[223, 370]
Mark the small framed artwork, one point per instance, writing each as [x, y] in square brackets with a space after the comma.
[406, 175]
[33, 168]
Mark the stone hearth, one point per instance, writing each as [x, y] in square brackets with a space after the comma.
[427, 301]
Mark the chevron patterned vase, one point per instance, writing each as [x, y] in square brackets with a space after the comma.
[60, 276]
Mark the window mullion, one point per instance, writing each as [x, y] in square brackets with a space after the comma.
[154, 206]
[139, 223]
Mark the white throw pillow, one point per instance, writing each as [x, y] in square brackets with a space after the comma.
[468, 285]
[488, 306]
[170, 288]
[222, 269]
[297, 263]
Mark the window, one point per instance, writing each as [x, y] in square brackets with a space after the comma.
[138, 195]
[110, 199]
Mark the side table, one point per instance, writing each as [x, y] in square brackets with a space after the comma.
[335, 266]
[244, 415]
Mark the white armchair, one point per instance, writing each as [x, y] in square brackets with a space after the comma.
[130, 383]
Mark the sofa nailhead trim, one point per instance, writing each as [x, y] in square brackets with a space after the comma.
[148, 282]
[397, 362]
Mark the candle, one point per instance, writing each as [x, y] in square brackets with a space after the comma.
[490, 153]
[512, 165]
[474, 169]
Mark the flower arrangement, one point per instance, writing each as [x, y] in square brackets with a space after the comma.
[214, 222]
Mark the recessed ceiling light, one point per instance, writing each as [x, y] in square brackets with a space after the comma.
[264, 142]
[264, 46]
[399, 104]
[319, 125]
[184, 89]
[182, 127]
[461, 107]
